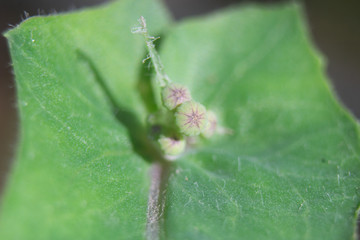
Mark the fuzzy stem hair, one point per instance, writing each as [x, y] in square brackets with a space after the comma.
[161, 76]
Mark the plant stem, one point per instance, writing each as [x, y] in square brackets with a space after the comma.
[161, 76]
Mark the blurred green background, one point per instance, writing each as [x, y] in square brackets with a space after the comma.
[334, 26]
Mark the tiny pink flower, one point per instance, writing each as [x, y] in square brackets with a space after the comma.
[172, 146]
[211, 126]
[175, 94]
[191, 118]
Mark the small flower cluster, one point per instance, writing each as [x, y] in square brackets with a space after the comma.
[190, 117]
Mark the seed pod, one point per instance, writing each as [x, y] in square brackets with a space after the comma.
[211, 125]
[191, 118]
[175, 94]
[171, 146]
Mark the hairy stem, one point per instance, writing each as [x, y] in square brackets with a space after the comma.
[161, 76]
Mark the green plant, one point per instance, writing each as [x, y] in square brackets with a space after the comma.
[289, 169]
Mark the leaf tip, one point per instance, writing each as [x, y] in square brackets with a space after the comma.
[8, 32]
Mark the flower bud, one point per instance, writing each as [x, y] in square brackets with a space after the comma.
[191, 118]
[172, 146]
[175, 94]
[211, 125]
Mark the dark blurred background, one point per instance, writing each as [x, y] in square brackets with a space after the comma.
[334, 26]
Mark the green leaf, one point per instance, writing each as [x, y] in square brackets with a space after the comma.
[290, 170]
[76, 175]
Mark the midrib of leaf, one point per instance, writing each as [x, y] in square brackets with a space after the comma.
[145, 148]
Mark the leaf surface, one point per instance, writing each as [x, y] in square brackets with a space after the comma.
[288, 171]
[76, 175]
[291, 168]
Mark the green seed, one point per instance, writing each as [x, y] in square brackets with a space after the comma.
[211, 125]
[191, 118]
[171, 146]
[175, 94]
